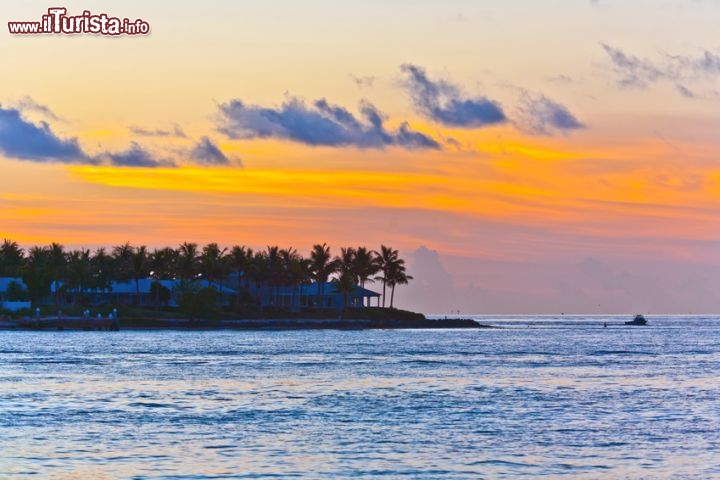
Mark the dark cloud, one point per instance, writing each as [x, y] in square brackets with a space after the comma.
[412, 139]
[24, 140]
[321, 124]
[636, 72]
[540, 115]
[176, 131]
[135, 156]
[442, 102]
[205, 152]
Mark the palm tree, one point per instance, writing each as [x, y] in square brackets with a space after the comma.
[239, 261]
[274, 266]
[101, 270]
[212, 262]
[397, 276]
[57, 267]
[260, 274]
[122, 262]
[345, 284]
[346, 261]
[296, 271]
[187, 261]
[162, 267]
[387, 257]
[322, 267]
[35, 274]
[301, 274]
[139, 268]
[11, 259]
[162, 263]
[79, 272]
[366, 264]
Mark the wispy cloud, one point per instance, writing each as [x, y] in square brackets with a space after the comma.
[320, 124]
[561, 79]
[27, 103]
[635, 72]
[685, 91]
[367, 81]
[540, 115]
[443, 103]
[24, 140]
[176, 131]
[206, 152]
[135, 156]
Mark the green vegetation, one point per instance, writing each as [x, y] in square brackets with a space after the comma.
[81, 272]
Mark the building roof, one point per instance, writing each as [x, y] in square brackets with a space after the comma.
[330, 289]
[6, 281]
[145, 286]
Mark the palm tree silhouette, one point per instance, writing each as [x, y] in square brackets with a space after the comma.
[397, 276]
[271, 270]
[139, 268]
[187, 261]
[274, 266]
[35, 273]
[212, 261]
[102, 274]
[345, 284]
[161, 263]
[387, 258]
[122, 262]
[79, 272]
[57, 266]
[240, 261]
[322, 266]
[11, 259]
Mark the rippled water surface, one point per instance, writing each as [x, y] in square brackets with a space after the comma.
[541, 397]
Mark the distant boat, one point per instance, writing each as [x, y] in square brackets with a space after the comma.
[638, 320]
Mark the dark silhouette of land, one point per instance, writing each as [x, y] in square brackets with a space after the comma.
[129, 286]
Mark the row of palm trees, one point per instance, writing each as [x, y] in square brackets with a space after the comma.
[81, 270]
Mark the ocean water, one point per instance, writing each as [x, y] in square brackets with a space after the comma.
[540, 397]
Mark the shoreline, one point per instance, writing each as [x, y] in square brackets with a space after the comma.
[83, 324]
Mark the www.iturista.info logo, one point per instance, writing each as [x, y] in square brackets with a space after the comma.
[58, 22]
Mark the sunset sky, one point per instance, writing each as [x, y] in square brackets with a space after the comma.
[523, 156]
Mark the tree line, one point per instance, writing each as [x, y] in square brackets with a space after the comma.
[82, 270]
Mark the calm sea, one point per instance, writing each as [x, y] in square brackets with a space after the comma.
[541, 397]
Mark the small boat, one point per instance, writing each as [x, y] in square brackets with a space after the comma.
[638, 320]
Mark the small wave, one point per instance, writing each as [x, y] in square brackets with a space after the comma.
[600, 353]
[427, 362]
[43, 361]
[503, 463]
[611, 444]
[150, 405]
[515, 353]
